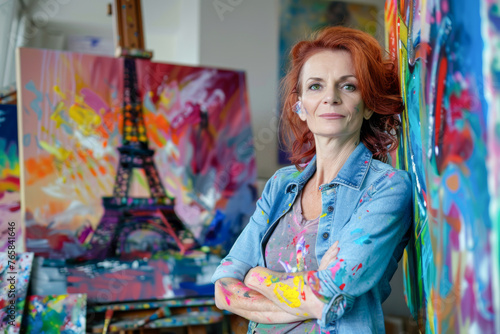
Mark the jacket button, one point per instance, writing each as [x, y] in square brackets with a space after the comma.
[330, 208]
[325, 235]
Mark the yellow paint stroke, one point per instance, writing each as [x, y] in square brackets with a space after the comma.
[86, 119]
[290, 295]
[10, 170]
[323, 215]
[60, 153]
[57, 89]
[56, 115]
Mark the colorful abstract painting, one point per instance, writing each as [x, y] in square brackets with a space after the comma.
[161, 277]
[15, 272]
[9, 179]
[197, 122]
[450, 145]
[490, 30]
[57, 314]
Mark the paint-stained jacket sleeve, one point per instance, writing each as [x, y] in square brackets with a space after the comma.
[367, 245]
[245, 253]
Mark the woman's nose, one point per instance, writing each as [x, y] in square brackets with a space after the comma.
[332, 98]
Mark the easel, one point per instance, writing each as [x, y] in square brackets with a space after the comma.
[129, 33]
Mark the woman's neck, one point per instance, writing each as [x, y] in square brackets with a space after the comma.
[330, 158]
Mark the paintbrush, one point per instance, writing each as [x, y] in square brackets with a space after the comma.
[107, 319]
[162, 312]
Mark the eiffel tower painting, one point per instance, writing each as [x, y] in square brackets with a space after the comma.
[125, 214]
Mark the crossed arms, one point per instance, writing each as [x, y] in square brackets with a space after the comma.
[271, 297]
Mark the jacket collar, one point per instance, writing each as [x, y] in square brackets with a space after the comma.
[351, 175]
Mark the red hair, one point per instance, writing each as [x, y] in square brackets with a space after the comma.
[378, 84]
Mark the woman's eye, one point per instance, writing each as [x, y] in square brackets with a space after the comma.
[315, 87]
[350, 87]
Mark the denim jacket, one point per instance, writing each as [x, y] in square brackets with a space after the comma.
[368, 209]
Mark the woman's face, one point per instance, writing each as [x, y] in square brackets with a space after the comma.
[330, 96]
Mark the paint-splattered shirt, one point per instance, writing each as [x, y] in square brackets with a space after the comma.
[292, 248]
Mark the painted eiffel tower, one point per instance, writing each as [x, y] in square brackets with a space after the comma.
[124, 214]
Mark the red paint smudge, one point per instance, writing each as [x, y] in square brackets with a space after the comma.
[342, 286]
[303, 295]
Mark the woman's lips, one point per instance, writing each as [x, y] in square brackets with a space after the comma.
[331, 116]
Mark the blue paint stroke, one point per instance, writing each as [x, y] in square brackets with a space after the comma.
[27, 140]
[35, 104]
[363, 240]
[358, 230]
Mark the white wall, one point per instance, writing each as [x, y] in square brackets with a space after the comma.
[172, 30]
[244, 35]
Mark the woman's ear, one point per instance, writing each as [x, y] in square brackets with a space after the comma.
[299, 109]
[367, 113]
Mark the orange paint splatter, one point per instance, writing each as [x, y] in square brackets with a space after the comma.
[38, 168]
[102, 170]
[92, 170]
[452, 182]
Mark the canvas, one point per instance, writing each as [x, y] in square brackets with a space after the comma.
[162, 277]
[195, 120]
[57, 314]
[14, 281]
[9, 179]
[449, 135]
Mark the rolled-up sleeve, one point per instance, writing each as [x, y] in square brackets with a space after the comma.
[245, 253]
[367, 243]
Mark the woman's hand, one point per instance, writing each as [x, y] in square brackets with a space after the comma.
[232, 295]
[330, 256]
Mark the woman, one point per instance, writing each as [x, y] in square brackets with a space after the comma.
[326, 236]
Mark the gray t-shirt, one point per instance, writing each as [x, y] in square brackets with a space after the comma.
[292, 248]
